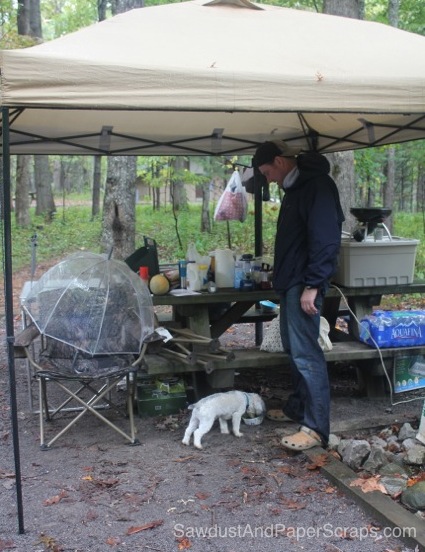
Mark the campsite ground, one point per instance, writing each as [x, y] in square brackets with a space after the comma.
[92, 493]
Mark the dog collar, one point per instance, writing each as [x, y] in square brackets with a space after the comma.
[247, 400]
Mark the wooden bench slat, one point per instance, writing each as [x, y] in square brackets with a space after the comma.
[254, 358]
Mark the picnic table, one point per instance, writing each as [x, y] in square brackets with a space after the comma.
[211, 314]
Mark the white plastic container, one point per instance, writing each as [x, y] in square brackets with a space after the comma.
[194, 282]
[376, 263]
[224, 268]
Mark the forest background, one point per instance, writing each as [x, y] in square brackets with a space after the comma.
[62, 203]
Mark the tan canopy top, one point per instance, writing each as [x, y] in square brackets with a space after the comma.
[215, 78]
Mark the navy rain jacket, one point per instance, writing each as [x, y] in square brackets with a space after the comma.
[308, 235]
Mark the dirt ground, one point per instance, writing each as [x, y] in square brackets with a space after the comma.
[93, 493]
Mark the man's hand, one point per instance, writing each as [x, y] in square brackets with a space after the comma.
[307, 301]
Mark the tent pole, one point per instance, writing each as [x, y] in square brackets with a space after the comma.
[258, 245]
[258, 217]
[8, 296]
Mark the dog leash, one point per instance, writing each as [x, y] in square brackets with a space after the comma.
[247, 400]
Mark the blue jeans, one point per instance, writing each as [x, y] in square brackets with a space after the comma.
[309, 402]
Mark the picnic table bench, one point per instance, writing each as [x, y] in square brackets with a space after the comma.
[211, 314]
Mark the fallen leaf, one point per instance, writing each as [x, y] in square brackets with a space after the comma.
[185, 458]
[202, 496]
[113, 541]
[7, 475]
[92, 515]
[291, 504]
[184, 543]
[150, 525]
[6, 545]
[416, 479]
[289, 470]
[107, 483]
[275, 511]
[49, 543]
[318, 462]
[369, 485]
[55, 499]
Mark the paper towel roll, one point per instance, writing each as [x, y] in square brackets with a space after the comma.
[224, 268]
[421, 433]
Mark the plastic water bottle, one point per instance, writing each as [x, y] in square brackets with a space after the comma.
[203, 276]
[239, 273]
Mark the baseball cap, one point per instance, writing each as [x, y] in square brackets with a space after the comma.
[269, 150]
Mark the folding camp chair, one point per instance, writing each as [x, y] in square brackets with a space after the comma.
[86, 383]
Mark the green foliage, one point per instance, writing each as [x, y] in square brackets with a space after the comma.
[61, 17]
[74, 230]
[69, 232]
[409, 225]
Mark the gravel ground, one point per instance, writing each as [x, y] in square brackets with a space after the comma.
[93, 493]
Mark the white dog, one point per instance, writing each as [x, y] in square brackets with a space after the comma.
[224, 406]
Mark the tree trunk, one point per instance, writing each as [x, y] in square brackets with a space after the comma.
[390, 186]
[343, 162]
[344, 8]
[342, 171]
[28, 23]
[97, 173]
[22, 192]
[156, 194]
[205, 215]
[119, 213]
[393, 12]
[43, 179]
[121, 6]
[35, 19]
[178, 191]
[119, 209]
[23, 17]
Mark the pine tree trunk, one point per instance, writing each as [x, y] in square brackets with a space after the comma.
[43, 179]
[393, 13]
[205, 215]
[119, 213]
[343, 162]
[119, 204]
[178, 190]
[97, 173]
[23, 186]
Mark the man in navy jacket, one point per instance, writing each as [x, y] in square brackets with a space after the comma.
[308, 239]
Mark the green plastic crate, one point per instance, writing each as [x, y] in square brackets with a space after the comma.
[156, 403]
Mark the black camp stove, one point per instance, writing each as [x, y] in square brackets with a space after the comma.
[370, 223]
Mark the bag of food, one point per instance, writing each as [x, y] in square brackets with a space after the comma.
[233, 203]
[272, 342]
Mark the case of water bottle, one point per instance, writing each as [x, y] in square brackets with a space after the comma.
[393, 328]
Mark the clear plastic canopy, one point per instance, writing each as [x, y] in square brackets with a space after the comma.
[93, 303]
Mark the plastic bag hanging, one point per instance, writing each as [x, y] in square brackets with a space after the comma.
[233, 203]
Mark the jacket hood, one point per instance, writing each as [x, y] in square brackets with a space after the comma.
[313, 162]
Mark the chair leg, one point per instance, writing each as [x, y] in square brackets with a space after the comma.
[89, 406]
[43, 411]
[131, 389]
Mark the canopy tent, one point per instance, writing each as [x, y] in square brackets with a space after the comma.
[206, 78]
[215, 78]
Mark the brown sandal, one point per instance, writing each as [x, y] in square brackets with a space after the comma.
[277, 415]
[305, 439]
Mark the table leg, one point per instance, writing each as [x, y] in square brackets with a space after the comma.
[197, 319]
[361, 306]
